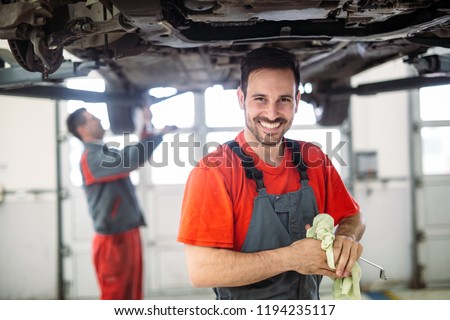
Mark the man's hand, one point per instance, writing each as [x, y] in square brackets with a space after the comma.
[148, 116]
[307, 257]
[346, 248]
[148, 125]
[169, 129]
[346, 252]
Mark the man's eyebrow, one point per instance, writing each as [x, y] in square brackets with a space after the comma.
[265, 95]
[258, 95]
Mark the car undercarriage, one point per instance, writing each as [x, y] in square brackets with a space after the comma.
[193, 44]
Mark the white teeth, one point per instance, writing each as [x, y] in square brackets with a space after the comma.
[270, 125]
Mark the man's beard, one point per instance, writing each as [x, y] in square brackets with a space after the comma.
[266, 139]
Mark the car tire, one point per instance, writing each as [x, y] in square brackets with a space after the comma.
[121, 118]
[121, 104]
[331, 110]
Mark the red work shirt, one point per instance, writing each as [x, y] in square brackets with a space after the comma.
[218, 199]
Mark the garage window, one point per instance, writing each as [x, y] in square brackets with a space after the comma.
[436, 150]
[435, 116]
[178, 111]
[173, 160]
[216, 138]
[222, 108]
[434, 103]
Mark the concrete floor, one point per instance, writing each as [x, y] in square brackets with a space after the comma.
[419, 294]
[388, 294]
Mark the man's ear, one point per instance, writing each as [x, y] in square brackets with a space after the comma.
[81, 130]
[241, 98]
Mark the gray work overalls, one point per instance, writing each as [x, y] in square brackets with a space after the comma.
[277, 221]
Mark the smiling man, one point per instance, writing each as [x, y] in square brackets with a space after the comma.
[247, 205]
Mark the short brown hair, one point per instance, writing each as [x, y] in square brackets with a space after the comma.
[268, 58]
[74, 120]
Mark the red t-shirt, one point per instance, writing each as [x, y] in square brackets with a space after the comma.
[218, 199]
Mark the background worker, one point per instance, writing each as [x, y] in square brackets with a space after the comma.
[113, 205]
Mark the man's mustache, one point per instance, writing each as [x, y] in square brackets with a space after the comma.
[279, 119]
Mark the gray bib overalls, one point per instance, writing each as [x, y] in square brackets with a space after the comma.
[277, 221]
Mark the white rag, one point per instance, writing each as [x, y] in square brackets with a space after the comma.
[343, 288]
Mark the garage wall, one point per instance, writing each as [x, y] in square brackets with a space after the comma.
[380, 124]
[28, 224]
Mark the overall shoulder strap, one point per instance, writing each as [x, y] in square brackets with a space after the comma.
[247, 163]
[297, 158]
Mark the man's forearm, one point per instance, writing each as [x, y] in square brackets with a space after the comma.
[353, 227]
[137, 154]
[212, 267]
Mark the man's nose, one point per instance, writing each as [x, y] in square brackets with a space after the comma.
[272, 111]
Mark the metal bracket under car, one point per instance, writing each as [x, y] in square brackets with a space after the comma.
[16, 76]
[433, 70]
[16, 81]
[30, 31]
[23, 24]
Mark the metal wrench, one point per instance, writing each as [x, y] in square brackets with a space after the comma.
[382, 272]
